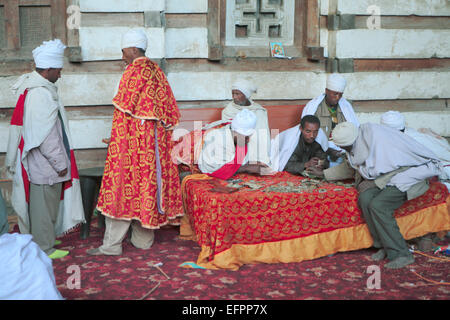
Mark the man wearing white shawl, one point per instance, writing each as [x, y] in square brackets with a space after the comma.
[46, 192]
[390, 168]
[259, 143]
[331, 108]
[426, 137]
[226, 150]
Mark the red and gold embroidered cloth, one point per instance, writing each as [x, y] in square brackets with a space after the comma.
[240, 227]
[145, 93]
[129, 189]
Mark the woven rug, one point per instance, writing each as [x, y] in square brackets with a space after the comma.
[343, 276]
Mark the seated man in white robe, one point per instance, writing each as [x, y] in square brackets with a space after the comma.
[259, 143]
[426, 137]
[225, 150]
[331, 108]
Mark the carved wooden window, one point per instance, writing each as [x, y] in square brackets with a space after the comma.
[238, 27]
[257, 22]
[24, 24]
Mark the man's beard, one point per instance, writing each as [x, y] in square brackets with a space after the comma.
[241, 103]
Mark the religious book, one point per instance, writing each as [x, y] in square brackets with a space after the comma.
[277, 50]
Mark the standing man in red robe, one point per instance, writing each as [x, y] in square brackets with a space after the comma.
[140, 187]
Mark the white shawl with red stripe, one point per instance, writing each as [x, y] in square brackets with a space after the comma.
[22, 140]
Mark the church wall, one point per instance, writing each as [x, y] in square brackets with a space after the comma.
[401, 64]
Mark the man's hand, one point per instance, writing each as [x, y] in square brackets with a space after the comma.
[335, 154]
[251, 168]
[313, 162]
[257, 168]
[62, 173]
[267, 171]
[315, 171]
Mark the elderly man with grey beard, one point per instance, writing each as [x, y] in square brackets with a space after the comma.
[259, 143]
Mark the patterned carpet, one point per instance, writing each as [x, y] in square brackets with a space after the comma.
[343, 276]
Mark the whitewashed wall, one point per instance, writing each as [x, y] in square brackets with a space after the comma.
[392, 44]
[102, 43]
[390, 7]
[121, 5]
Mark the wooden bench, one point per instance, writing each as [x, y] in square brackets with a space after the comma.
[281, 117]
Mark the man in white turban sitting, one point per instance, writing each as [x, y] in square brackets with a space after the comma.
[331, 108]
[39, 154]
[426, 137]
[390, 169]
[259, 143]
[225, 150]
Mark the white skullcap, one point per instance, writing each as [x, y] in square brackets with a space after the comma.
[393, 119]
[244, 122]
[336, 82]
[135, 38]
[244, 86]
[50, 54]
[344, 134]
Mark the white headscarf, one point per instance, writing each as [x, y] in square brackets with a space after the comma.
[344, 134]
[49, 55]
[393, 119]
[135, 38]
[336, 82]
[244, 86]
[244, 122]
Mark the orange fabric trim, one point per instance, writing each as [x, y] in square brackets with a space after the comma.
[433, 219]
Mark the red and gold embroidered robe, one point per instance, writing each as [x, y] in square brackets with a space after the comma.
[145, 111]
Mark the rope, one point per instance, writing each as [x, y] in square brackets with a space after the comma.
[430, 280]
[428, 256]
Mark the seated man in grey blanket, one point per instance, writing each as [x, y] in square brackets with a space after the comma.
[389, 168]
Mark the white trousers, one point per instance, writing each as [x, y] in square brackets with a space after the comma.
[115, 232]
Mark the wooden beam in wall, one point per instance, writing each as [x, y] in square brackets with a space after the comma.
[59, 18]
[312, 40]
[214, 24]
[12, 24]
[374, 65]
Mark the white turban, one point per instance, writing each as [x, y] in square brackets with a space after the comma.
[393, 119]
[344, 134]
[244, 122]
[244, 86]
[336, 82]
[50, 54]
[135, 38]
